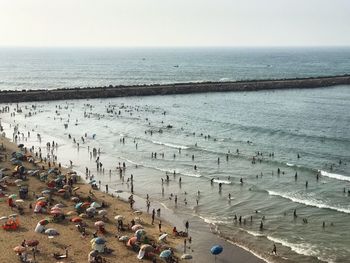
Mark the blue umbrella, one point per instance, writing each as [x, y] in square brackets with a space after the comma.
[216, 250]
[99, 241]
[78, 205]
[165, 253]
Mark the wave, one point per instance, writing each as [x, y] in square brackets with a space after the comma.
[190, 174]
[290, 164]
[221, 181]
[335, 176]
[171, 145]
[305, 249]
[309, 202]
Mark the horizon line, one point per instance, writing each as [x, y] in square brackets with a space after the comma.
[180, 46]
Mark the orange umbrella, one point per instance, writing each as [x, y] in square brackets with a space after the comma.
[132, 241]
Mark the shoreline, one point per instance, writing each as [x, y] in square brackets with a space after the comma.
[111, 91]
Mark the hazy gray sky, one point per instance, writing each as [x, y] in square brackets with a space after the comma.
[174, 22]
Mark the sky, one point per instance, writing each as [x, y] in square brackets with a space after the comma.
[115, 23]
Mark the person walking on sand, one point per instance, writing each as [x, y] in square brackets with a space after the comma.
[160, 226]
[187, 225]
[153, 215]
[274, 250]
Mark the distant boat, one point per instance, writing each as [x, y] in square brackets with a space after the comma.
[176, 66]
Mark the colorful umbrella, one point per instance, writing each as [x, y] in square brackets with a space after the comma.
[32, 243]
[76, 219]
[102, 212]
[119, 217]
[12, 196]
[43, 222]
[99, 241]
[78, 205]
[99, 223]
[95, 204]
[19, 249]
[61, 191]
[136, 227]
[132, 241]
[216, 250]
[165, 253]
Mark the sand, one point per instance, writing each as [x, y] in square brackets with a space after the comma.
[79, 246]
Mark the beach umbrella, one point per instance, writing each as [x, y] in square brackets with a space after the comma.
[119, 217]
[19, 249]
[132, 241]
[163, 237]
[18, 181]
[186, 256]
[78, 205]
[216, 250]
[76, 188]
[99, 223]
[76, 219]
[61, 191]
[83, 215]
[12, 196]
[70, 213]
[124, 238]
[41, 198]
[165, 253]
[147, 248]
[56, 212]
[102, 212]
[43, 222]
[32, 243]
[136, 227]
[99, 240]
[91, 210]
[95, 204]
[19, 201]
[59, 205]
[41, 203]
[51, 232]
[138, 212]
[144, 248]
[139, 233]
[4, 218]
[45, 192]
[85, 204]
[74, 199]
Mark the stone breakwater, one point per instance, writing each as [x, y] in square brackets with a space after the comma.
[167, 89]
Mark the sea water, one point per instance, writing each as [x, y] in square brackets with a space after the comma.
[272, 126]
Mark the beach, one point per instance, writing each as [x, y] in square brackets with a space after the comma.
[78, 246]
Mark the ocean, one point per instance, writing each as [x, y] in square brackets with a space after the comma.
[237, 139]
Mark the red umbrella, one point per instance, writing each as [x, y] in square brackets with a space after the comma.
[61, 191]
[86, 204]
[132, 241]
[76, 219]
[41, 203]
[56, 212]
[43, 222]
[32, 243]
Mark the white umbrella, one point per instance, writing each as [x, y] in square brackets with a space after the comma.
[4, 218]
[18, 181]
[19, 201]
[163, 237]
[186, 256]
[41, 198]
[119, 217]
[102, 212]
[124, 238]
